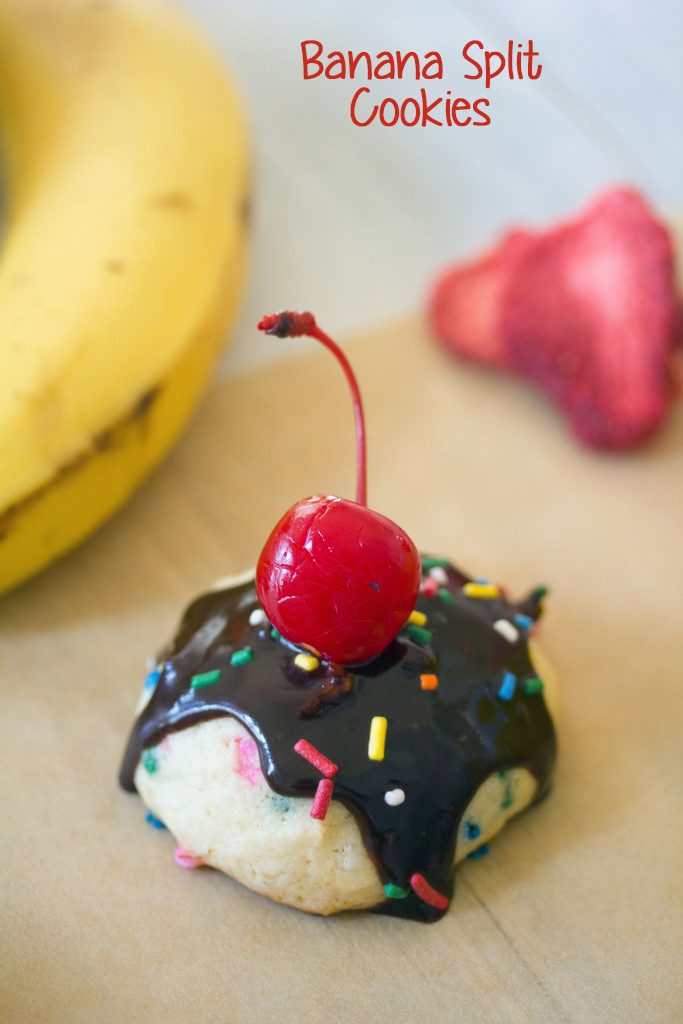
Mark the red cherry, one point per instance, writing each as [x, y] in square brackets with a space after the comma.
[338, 577]
[333, 574]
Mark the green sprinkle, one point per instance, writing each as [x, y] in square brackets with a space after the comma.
[540, 592]
[395, 892]
[149, 761]
[205, 678]
[241, 657]
[533, 685]
[446, 595]
[419, 635]
[281, 803]
[274, 633]
[434, 563]
[508, 799]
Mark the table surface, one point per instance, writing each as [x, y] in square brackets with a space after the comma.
[575, 914]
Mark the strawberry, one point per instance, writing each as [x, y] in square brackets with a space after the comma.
[586, 310]
[466, 301]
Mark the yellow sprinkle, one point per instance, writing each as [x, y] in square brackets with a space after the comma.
[378, 734]
[307, 662]
[417, 618]
[480, 590]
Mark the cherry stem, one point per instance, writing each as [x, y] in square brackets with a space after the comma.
[294, 325]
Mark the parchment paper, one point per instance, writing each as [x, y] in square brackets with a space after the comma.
[574, 915]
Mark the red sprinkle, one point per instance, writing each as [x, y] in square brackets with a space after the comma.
[314, 757]
[321, 800]
[428, 895]
[429, 587]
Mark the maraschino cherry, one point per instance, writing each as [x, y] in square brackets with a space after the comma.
[335, 575]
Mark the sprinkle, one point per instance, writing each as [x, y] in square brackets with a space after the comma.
[394, 892]
[434, 563]
[426, 893]
[508, 798]
[149, 761]
[506, 629]
[419, 635]
[446, 596]
[152, 678]
[439, 574]
[241, 657]
[185, 859]
[538, 593]
[378, 735]
[533, 685]
[523, 621]
[283, 804]
[429, 682]
[248, 763]
[205, 678]
[417, 618]
[258, 617]
[275, 633]
[307, 662]
[472, 830]
[481, 579]
[321, 800]
[314, 757]
[507, 687]
[152, 820]
[394, 797]
[481, 590]
[481, 851]
[429, 587]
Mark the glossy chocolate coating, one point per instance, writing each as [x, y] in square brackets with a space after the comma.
[441, 745]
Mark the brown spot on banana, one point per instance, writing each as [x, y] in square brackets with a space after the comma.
[118, 433]
[175, 200]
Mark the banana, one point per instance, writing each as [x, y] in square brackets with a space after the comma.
[126, 168]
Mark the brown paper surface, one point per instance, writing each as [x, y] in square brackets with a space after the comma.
[575, 914]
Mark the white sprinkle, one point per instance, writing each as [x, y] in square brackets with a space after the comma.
[258, 617]
[394, 797]
[439, 574]
[506, 629]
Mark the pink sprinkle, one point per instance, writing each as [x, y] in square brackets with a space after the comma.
[429, 587]
[321, 800]
[248, 764]
[426, 893]
[185, 859]
[314, 757]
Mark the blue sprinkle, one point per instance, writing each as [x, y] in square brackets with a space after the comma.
[152, 678]
[525, 621]
[481, 579]
[472, 830]
[507, 687]
[154, 821]
[481, 851]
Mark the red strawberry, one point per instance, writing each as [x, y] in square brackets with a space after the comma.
[587, 310]
[466, 301]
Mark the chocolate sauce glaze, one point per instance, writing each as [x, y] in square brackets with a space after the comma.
[440, 747]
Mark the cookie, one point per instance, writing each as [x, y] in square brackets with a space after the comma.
[469, 743]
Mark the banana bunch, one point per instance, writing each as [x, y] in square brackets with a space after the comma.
[126, 175]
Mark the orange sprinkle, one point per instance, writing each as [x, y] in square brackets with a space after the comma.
[429, 682]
